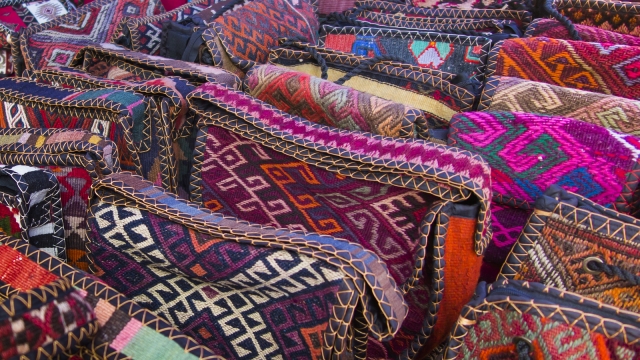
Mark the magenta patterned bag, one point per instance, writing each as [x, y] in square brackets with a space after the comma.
[528, 153]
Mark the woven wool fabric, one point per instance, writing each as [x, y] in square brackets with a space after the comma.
[247, 34]
[504, 93]
[268, 283]
[548, 323]
[108, 61]
[603, 68]
[75, 158]
[528, 153]
[116, 115]
[326, 103]
[562, 234]
[50, 321]
[431, 91]
[507, 223]
[163, 125]
[10, 220]
[619, 16]
[553, 29]
[56, 42]
[458, 54]
[35, 193]
[146, 32]
[297, 192]
[124, 328]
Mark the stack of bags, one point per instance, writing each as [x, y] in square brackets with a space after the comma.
[344, 179]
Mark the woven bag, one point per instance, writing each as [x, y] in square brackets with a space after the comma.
[145, 34]
[458, 54]
[520, 320]
[307, 293]
[16, 15]
[528, 153]
[241, 39]
[602, 68]
[162, 127]
[554, 29]
[576, 245]
[324, 102]
[503, 93]
[389, 195]
[53, 320]
[183, 39]
[114, 114]
[30, 199]
[114, 326]
[434, 92]
[57, 42]
[622, 17]
[76, 159]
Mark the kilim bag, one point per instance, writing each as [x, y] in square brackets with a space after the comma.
[30, 203]
[116, 327]
[327, 103]
[114, 114]
[503, 93]
[145, 34]
[457, 54]
[245, 290]
[50, 321]
[56, 42]
[553, 29]
[432, 91]
[162, 128]
[603, 68]
[520, 320]
[76, 158]
[576, 245]
[528, 153]
[388, 195]
[619, 16]
[243, 37]
[16, 15]
[183, 40]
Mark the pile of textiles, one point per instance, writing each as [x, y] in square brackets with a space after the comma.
[320, 179]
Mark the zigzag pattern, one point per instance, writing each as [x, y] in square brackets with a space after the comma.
[457, 54]
[258, 300]
[619, 16]
[560, 236]
[601, 68]
[529, 152]
[249, 32]
[563, 325]
[553, 29]
[326, 103]
[56, 42]
[118, 317]
[512, 94]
